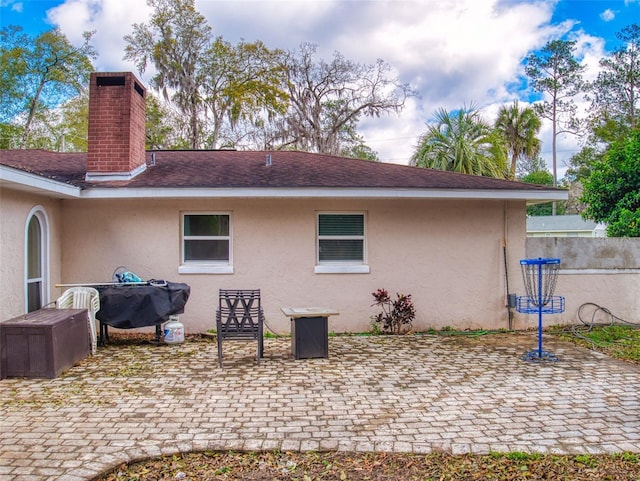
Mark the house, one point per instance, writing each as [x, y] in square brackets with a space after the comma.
[563, 226]
[307, 229]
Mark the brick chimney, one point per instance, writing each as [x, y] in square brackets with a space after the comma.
[116, 127]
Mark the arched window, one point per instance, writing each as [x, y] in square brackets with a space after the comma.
[36, 259]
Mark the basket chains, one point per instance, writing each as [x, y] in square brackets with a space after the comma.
[531, 273]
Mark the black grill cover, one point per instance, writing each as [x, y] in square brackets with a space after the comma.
[128, 307]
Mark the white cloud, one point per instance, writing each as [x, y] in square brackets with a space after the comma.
[111, 20]
[17, 7]
[608, 15]
[589, 51]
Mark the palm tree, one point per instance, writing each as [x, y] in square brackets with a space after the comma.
[519, 128]
[461, 141]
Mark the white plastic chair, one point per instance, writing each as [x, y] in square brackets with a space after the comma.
[83, 298]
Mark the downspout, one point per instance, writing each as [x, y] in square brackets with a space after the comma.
[510, 298]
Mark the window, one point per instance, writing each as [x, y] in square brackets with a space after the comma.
[341, 243]
[206, 243]
[36, 259]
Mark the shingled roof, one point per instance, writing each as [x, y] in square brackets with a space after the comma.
[255, 171]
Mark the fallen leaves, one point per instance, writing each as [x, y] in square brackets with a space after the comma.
[343, 466]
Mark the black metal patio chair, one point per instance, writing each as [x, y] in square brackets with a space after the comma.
[239, 317]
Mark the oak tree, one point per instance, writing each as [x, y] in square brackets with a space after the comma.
[329, 98]
[174, 41]
[612, 191]
[39, 73]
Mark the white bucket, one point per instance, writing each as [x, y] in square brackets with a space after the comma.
[173, 331]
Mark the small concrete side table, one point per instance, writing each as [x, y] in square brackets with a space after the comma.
[309, 331]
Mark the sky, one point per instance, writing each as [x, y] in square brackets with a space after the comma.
[454, 53]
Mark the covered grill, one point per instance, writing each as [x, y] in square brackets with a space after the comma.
[139, 305]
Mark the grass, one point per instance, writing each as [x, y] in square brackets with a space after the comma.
[449, 331]
[621, 341]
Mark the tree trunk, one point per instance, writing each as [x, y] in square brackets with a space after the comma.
[554, 153]
[32, 113]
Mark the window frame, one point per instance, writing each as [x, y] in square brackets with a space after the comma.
[342, 266]
[210, 266]
[42, 281]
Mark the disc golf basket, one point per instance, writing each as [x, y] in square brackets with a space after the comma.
[540, 276]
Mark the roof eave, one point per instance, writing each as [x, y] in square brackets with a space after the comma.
[530, 196]
[37, 184]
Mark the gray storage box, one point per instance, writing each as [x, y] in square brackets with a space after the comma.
[43, 343]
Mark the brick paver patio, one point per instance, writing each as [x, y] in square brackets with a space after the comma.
[404, 394]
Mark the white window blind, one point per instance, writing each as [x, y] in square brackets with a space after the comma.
[341, 238]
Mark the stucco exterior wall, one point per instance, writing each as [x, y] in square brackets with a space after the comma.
[447, 254]
[16, 207]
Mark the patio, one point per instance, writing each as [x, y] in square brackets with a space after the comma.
[402, 394]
